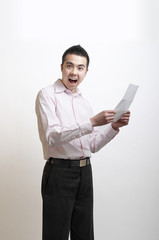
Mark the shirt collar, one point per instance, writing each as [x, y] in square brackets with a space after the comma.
[59, 88]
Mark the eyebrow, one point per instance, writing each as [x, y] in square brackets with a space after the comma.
[80, 65]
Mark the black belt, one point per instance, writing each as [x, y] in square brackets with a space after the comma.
[70, 163]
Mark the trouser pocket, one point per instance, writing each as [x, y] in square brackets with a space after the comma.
[45, 177]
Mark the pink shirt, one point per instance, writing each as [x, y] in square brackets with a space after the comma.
[64, 124]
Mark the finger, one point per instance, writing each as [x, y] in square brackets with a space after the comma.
[109, 119]
[109, 115]
[126, 115]
[110, 111]
[124, 120]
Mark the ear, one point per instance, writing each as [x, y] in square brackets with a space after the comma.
[61, 67]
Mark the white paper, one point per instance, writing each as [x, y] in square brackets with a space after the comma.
[125, 103]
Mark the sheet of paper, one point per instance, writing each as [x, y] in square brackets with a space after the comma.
[125, 103]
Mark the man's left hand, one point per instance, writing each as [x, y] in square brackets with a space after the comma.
[123, 121]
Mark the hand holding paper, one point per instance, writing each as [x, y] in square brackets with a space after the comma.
[115, 116]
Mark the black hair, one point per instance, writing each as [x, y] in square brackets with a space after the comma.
[77, 50]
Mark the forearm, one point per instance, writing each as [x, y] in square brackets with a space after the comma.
[58, 135]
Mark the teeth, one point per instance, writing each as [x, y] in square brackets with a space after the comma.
[72, 80]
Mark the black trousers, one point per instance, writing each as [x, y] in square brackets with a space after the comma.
[67, 194]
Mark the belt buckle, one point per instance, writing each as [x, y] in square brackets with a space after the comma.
[83, 163]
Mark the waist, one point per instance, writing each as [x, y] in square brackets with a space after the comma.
[69, 162]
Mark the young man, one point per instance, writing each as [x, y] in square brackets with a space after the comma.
[67, 131]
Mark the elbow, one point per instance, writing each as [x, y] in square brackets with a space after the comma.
[56, 139]
[53, 140]
[93, 148]
[93, 151]
[53, 137]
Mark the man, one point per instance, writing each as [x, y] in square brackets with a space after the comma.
[67, 130]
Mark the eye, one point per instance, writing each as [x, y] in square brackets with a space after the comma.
[69, 66]
[80, 68]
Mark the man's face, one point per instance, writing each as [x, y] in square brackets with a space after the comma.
[73, 70]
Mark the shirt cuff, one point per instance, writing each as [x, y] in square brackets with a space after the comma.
[111, 132]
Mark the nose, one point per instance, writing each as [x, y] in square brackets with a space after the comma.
[74, 71]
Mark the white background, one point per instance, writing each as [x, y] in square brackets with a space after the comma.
[122, 39]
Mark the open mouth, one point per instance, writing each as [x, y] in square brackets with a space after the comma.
[72, 80]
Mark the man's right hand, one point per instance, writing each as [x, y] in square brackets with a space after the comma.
[103, 118]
